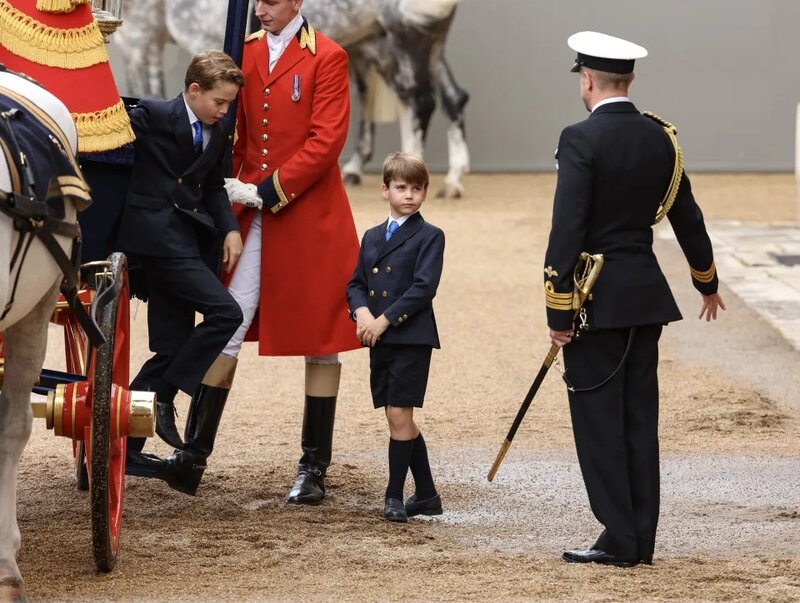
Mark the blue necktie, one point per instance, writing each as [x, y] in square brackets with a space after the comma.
[392, 227]
[198, 137]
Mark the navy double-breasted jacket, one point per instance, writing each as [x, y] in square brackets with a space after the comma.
[398, 278]
[176, 204]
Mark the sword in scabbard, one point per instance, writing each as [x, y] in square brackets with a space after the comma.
[585, 276]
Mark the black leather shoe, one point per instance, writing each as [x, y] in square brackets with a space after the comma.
[597, 556]
[309, 487]
[429, 506]
[165, 424]
[394, 510]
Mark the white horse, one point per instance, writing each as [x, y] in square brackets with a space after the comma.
[400, 40]
[24, 328]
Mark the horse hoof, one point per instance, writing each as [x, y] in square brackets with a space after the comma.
[449, 192]
[351, 179]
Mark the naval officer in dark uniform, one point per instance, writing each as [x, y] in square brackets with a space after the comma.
[619, 172]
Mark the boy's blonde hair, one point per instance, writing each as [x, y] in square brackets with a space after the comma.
[405, 167]
[212, 67]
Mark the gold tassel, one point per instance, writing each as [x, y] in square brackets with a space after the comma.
[103, 130]
[58, 6]
[39, 43]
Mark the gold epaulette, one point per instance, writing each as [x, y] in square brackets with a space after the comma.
[661, 121]
[704, 276]
[256, 35]
[677, 170]
[308, 38]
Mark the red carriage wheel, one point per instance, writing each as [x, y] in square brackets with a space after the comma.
[106, 452]
[81, 470]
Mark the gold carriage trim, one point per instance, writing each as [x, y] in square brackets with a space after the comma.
[556, 301]
[103, 130]
[677, 170]
[308, 39]
[58, 6]
[704, 276]
[30, 39]
[276, 182]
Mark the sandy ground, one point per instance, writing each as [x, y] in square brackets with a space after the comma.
[730, 419]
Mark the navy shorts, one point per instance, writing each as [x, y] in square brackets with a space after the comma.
[399, 374]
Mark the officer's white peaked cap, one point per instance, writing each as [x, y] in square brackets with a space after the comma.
[604, 53]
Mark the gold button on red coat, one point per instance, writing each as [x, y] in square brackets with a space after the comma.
[264, 152]
[263, 167]
[264, 122]
[264, 137]
[266, 91]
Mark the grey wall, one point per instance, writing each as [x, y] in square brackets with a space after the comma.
[723, 71]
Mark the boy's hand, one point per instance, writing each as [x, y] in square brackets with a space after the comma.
[373, 331]
[363, 318]
[231, 249]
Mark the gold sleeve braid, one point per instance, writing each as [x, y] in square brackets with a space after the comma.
[704, 276]
[677, 171]
[556, 301]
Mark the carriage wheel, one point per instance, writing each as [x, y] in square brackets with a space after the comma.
[81, 470]
[107, 455]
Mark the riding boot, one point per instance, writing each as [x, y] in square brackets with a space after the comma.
[184, 469]
[322, 387]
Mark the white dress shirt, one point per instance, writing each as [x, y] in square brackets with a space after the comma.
[613, 99]
[278, 43]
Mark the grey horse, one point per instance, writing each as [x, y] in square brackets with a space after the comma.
[401, 40]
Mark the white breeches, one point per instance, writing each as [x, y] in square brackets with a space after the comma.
[245, 288]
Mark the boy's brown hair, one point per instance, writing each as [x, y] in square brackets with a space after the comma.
[405, 167]
[212, 67]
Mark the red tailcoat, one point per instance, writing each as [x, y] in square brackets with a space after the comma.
[291, 127]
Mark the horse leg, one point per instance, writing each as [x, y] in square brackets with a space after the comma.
[353, 169]
[454, 98]
[412, 83]
[25, 343]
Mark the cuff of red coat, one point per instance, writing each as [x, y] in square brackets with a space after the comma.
[272, 194]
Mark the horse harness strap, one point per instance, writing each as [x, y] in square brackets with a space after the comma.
[43, 220]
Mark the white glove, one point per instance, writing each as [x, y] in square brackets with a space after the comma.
[246, 194]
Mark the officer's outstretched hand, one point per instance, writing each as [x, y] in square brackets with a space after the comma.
[231, 249]
[240, 192]
[710, 305]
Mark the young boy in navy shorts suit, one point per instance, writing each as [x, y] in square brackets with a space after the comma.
[390, 298]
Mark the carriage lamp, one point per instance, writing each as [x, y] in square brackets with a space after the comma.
[108, 14]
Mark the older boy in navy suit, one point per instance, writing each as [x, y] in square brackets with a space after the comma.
[176, 210]
[390, 297]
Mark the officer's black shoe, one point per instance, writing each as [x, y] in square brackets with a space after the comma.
[597, 556]
[309, 487]
[165, 424]
[429, 506]
[393, 510]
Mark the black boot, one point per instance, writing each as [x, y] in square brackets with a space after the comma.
[184, 469]
[322, 387]
[165, 424]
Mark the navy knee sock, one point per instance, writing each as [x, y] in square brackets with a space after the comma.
[421, 470]
[400, 452]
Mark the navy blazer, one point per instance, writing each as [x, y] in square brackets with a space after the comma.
[398, 278]
[176, 204]
[613, 171]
